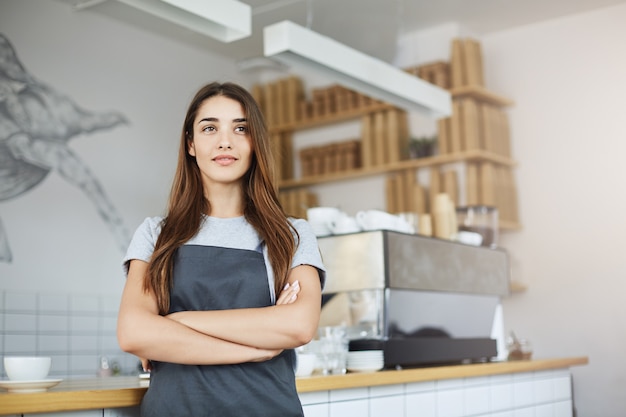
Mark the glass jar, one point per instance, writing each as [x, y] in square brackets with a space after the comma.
[479, 219]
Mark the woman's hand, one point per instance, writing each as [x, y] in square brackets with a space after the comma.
[289, 294]
[146, 365]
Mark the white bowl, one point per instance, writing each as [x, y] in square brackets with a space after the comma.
[27, 368]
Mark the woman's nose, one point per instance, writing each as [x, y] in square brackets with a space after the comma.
[224, 141]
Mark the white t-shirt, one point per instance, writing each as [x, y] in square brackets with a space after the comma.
[235, 233]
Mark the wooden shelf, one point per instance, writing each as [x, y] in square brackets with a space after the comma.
[482, 94]
[331, 118]
[476, 91]
[436, 160]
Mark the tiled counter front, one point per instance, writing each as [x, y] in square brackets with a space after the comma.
[528, 394]
[536, 388]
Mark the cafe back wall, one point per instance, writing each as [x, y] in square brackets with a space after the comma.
[66, 235]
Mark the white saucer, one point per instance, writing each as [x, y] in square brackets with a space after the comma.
[29, 386]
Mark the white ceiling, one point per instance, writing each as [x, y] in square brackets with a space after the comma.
[371, 26]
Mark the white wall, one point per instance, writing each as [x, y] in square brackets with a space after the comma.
[566, 77]
[57, 239]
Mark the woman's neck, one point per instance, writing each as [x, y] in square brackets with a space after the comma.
[225, 202]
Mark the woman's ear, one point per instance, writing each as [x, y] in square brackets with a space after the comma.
[191, 149]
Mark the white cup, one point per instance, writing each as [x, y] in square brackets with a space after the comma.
[381, 220]
[344, 224]
[320, 217]
[27, 368]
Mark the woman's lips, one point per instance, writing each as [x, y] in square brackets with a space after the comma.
[225, 160]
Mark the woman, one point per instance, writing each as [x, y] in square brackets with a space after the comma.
[221, 290]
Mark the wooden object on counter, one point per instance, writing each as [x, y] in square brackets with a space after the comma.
[425, 227]
[435, 187]
[473, 63]
[456, 127]
[380, 147]
[457, 72]
[420, 201]
[367, 142]
[466, 63]
[487, 184]
[443, 135]
[296, 202]
[470, 124]
[392, 136]
[472, 191]
[451, 186]
[390, 190]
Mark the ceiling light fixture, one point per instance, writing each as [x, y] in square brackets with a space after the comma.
[300, 47]
[225, 20]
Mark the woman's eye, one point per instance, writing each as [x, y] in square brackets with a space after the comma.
[208, 129]
[241, 129]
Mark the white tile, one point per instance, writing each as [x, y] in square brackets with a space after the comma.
[108, 323]
[53, 302]
[421, 404]
[522, 376]
[450, 403]
[53, 323]
[20, 344]
[387, 406]
[110, 304]
[450, 383]
[20, 301]
[476, 400]
[563, 409]
[544, 410]
[83, 343]
[316, 410]
[419, 386]
[562, 388]
[480, 380]
[315, 397]
[83, 324]
[543, 391]
[386, 390]
[17, 322]
[108, 342]
[508, 413]
[83, 365]
[501, 396]
[523, 393]
[348, 394]
[52, 343]
[524, 412]
[356, 408]
[84, 303]
[60, 365]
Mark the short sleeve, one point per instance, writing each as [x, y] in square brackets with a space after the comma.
[142, 244]
[308, 252]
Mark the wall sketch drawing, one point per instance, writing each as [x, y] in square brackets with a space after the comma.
[36, 123]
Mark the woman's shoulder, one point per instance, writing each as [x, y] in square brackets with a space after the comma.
[301, 225]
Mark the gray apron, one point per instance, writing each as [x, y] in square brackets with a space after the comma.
[214, 278]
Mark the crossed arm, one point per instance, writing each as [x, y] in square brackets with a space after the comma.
[219, 336]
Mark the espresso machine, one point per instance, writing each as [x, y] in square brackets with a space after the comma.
[429, 301]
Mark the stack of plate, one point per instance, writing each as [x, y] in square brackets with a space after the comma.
[365, 361]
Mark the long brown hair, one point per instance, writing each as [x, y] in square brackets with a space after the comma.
[187, 202]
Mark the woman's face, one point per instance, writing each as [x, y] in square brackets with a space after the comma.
[221, 142]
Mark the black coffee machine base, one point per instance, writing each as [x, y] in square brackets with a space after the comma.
[426, 351]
